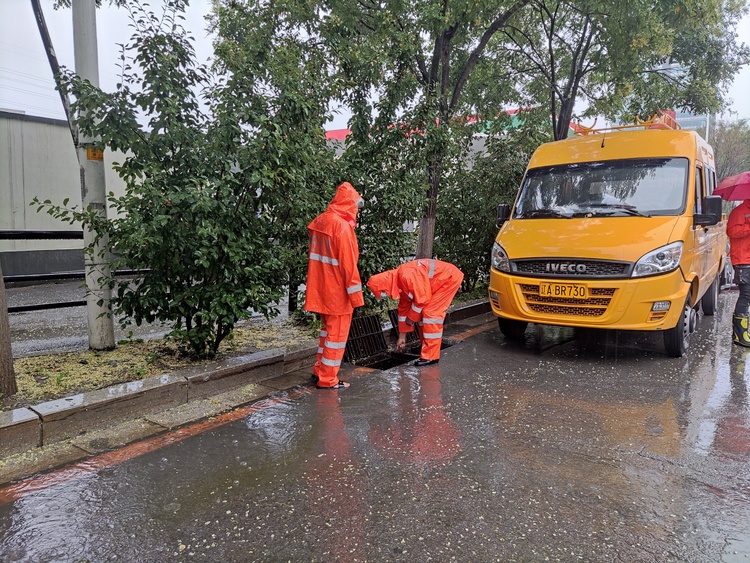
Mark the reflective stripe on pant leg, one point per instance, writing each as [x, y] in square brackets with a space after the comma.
[319, 353]
[432, 337]
[334, 346]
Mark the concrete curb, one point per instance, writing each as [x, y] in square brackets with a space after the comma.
[55, 421]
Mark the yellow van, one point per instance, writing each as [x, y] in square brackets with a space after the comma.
[613, 229]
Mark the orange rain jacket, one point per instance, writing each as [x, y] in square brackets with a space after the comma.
[738, 231]
[414, 283]
[333, 283]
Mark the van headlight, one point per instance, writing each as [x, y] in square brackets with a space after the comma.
[500, 258]
[659, 261]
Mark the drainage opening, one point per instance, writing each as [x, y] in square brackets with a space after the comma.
[367, 344]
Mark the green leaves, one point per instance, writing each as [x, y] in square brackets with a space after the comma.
[222, 176]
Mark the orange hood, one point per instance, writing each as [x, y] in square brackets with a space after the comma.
[346, 203]
[385, 284]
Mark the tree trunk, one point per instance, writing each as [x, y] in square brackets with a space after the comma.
[427, 223]
[294, 283]
[563, 119]
[8, 384]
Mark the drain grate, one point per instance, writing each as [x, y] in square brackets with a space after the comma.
[365, 339]
[367, 346]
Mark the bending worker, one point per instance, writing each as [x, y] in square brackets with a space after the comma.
[738, 231]
[425, 289]
[334, 287]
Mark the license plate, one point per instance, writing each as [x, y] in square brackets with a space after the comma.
[567, 290]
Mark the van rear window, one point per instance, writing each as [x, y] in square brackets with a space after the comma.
[610, 188]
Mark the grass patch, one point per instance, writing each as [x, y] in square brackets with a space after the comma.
[53, 376]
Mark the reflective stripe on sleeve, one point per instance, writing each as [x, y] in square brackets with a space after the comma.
[324, 259]
[402, 319]
[320, 351]
[354, 288]
[323, 333]
[415, 308]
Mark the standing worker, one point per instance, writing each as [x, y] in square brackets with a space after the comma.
[738, 231]
[425, 289]
[334, 287]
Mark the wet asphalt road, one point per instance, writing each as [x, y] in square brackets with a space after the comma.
[567, 447]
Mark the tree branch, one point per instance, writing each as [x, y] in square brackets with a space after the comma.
[471, 62]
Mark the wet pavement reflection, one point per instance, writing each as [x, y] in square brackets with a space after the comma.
[573, 445]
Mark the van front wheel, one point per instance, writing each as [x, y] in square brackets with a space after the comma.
[512, 330]
[711, 298]
[676, 339]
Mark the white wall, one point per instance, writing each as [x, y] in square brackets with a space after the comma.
[37, 159]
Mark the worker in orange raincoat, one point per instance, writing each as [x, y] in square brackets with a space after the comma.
[334, 287]
[425, 289]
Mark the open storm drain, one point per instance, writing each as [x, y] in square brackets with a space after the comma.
[367, 345]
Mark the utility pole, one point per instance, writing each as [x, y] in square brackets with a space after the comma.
[93, 187]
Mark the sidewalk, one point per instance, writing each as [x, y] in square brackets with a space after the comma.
[38, 438]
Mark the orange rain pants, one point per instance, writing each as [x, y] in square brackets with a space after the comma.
[430, 325]
[331, 348]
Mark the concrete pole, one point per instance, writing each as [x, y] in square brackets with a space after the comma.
[93, 187]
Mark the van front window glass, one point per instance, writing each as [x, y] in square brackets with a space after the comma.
[612, 188]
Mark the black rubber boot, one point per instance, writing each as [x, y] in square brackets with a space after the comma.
[739, 331]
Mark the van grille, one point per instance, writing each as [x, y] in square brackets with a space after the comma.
[551, 268]
[595, 306]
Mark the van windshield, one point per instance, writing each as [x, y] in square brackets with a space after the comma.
[611, 188]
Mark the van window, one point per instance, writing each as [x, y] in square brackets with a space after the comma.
[613, 188]
[699, 191]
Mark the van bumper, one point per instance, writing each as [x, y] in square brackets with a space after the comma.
[623, 304]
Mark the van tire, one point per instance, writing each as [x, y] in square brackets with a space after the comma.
[511, 329]
[711, 298]
[676, 339]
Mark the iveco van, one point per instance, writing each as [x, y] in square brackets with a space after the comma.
[613, 229]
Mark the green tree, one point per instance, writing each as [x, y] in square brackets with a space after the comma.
[488, 174]
[219, 174]
[408, 66]
[731, 144]
[624, 57]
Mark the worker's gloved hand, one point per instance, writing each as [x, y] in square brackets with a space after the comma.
[401, 343]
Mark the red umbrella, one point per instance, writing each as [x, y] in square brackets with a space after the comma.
[734, 188]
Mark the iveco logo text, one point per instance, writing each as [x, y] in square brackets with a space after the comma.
[571, 268]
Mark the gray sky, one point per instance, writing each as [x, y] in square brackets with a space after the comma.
[26, 82]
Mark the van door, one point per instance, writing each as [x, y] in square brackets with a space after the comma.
[718, 231]
[702, 253]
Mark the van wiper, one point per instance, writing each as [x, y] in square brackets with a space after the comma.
[544, 213]
[618, 208]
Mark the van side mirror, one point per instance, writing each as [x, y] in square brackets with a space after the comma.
[503, 214]
[711, 212]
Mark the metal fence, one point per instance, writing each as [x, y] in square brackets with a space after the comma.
[25, 234]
